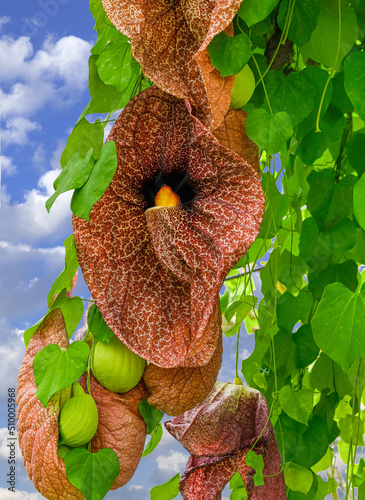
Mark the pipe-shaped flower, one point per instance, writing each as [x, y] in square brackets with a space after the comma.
[218, 433]
[170, 39]
[155, 271]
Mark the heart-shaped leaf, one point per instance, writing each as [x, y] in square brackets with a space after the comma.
[65, 279]
[298, 478]
[298, 404]
[97, 325]
[359, 201]
[55, 369]
[156, 436]
[257, 463]
[269, 131]
[229, 54]
[92, 473]
[151, 416]
[166, 491]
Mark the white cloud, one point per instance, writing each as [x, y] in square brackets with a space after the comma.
[39, 157]
[6, 166]
[4, 20]
[56, 74]
[19, 495]
[17, 130]
[173, 462]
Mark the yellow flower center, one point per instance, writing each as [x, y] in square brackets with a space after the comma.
[166, 197]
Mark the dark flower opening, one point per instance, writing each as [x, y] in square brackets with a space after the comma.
[179, 182]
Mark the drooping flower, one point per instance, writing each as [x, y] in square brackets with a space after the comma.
[175, 390]
[218, 433]
[170, 39]
[37, 427]
[155, 271]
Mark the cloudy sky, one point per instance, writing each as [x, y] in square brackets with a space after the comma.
[44, 49]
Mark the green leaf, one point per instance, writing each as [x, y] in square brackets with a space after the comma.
[322, 46]
[326, 374]
[240, 308]
[303, 22]
[101, 176]
[253, 12]
[238, 494]
[339, 98]
[291, 309]
[354, 68]
[359, 201]
[307, 349]
[64, 280]
[236, 481]
[73, 176]
[229, 54]
[297, 403]
[292, 94]
[298, 478]
[55, 369]
[269, 132]
[345, 273]
[355, 149]
[84, 136]
[104, 98]
[151, 416]
[92, 473]
[97, 325]
[329, 201]
[114, 64]
[156, 436]
[166, 491]
[338, 324]
[257, 463]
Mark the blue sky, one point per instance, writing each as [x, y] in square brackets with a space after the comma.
[44, 49]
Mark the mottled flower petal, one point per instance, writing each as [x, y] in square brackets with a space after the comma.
[155, 274]
[121, 427]
[38, 426]
[175, 390]
[218, 433]
[169, 39]
[231, 134]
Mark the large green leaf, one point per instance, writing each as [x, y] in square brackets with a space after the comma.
[269, 131]
[359, 201]
[101, 176]
[354, 68]
[73, 176]
[338, 324]
[65, 279]
[297, 403]
[92, 473]
[114, 63]
[322, 46]
[253, 12]
[104, 98]
[55, 369]
[307, 349]
[303, 22]
[327, 374]
[229, 54]
[97, 325]
[84, 136]
[298, 478]
[166, 491]
[355, 149]
[345, 272]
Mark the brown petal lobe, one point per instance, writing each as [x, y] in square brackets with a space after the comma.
[38, 426]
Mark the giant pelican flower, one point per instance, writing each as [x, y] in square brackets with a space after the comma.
[180, 211]
[170, 39]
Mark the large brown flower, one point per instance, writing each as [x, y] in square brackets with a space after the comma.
[218, 433]
[38, 426]
[170, 41]
[155, 271]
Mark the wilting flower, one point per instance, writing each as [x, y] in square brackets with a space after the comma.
[170, 39]
[218, 433]
[155, 271]
[37, 426]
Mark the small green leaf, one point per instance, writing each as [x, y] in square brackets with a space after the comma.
[64, 280]
[257, 463]
[55, 369]
[84, 136]
[229, 54]
[73, 176]
[304, 19]
[253, 12]
[354, 67]
[151, 416]
[355, 149]
[269, 132]
[114, 64]
[97, 325]
[338, 324]
[307, 349]
[359, 201]
[297, 403]
[298, 478]
[92, 473]
[166, 491]
[101, 176]
[240, 308]
[156, 436]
